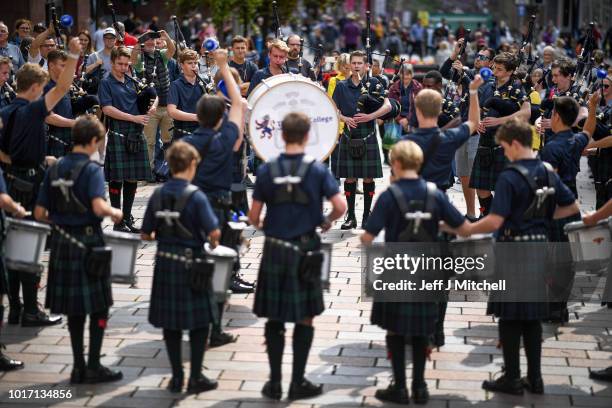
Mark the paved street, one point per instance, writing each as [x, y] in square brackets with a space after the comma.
[348, 354]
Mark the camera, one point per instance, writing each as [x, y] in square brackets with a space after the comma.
[152, 35]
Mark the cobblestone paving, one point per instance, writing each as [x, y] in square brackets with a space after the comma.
[348, 354]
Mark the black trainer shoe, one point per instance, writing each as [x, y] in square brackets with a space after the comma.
[420, 393]
[602, 375]
[201, 384]
[393, 393]
[240, 280]
[438, 339]
[175, 384]
[349, 223]
[535, 386]
[77, 376]
[14, 315]
[7, 363]
[218, 339]
[272, 390]
[39, 318]
[131, 225]
[102, 375]
[121, 227]
[471, 218]
[238, 286]
[505, 385]
[305, 389]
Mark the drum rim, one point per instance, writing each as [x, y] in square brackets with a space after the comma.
[303, 79]
[579, 225]
[126, 236]
[31, 224]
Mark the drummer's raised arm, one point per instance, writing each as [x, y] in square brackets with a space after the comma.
[236, 113]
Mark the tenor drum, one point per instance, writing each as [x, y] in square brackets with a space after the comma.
[24, 245]
[590, 245]
[276, 96]
[124, 248]
[224, 259]
[475, 246]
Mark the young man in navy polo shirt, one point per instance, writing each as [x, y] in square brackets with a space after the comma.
[61, 120]
[216, 140]
[184, 94]
[23, 156]
[278, 57]
[246, 69]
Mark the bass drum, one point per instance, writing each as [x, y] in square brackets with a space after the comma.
[281, 94]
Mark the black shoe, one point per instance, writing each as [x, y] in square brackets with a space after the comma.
[218, 339]
[39, 318]
[102, 375]
[364, 221]
[77, 376]
[14, 315]
[129, 223]
[175, 384]
[602, 375]
[470, 218]
[305, 389]
[201, 384]
[237, 286]
[272, 390]
[350, 223]
[420, 394]
[238, 278]
[393, 394]
[505, 385]
[8, 364]
[121, 227]
[535, 386]
[438, 339]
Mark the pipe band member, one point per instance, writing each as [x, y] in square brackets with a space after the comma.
[292, 187]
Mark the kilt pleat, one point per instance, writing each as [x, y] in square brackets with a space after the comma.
[174, 304]
[484, 177]
[182, 129]
[70, 290]
[368, 166]
[61, 147]
[280, 294]
[119, 165]
[405, 318]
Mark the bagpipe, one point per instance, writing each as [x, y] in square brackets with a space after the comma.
[457, 78]
[8, 93]
[119, 33]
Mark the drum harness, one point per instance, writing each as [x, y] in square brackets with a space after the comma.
[415, 212]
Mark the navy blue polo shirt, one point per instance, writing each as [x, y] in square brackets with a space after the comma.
[346, 95]
[258, 76]
[563, 151]
[28, 140]
[89, 185]
[214, 172]
[184, 95]
[246, 70]
[198, 216]
[290, 220]
[387, 215]
[64, 106]
[439, 167]
[174, 69]
[513, 197]
[2, 183]
[121, 95]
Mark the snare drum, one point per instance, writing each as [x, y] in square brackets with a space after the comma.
[590, 245]
[24, 245]
[475, 246]
[224, 259]
[124, 248]
[279, 95]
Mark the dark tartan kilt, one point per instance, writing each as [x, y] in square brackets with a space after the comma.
[182, 129]
[519, 310]
[280, 294]
[70, 290]
[119, 165]
[59, 148]
[484, 177]
[406, 318]
[174, 305]
[370, 165]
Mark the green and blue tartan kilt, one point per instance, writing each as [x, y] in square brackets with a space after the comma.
[280, 294]
[182, 129]
[70, 290]
[406, 318]
[519, 310]
[119, 165]
[59, 142]
[370, 165]
[483, 177]
[174, 304]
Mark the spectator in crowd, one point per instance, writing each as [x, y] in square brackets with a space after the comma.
[10, 50]
[351, 33]
[23, 28]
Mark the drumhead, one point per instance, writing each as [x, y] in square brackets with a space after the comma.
[271, 100]
[220, 251]
[121, 236]
[27, 224]
[475, 237]
[579, 225]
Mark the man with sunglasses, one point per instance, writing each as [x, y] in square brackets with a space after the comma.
[102, 58]
[42, 45]
[10, 50]
[483, 60]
